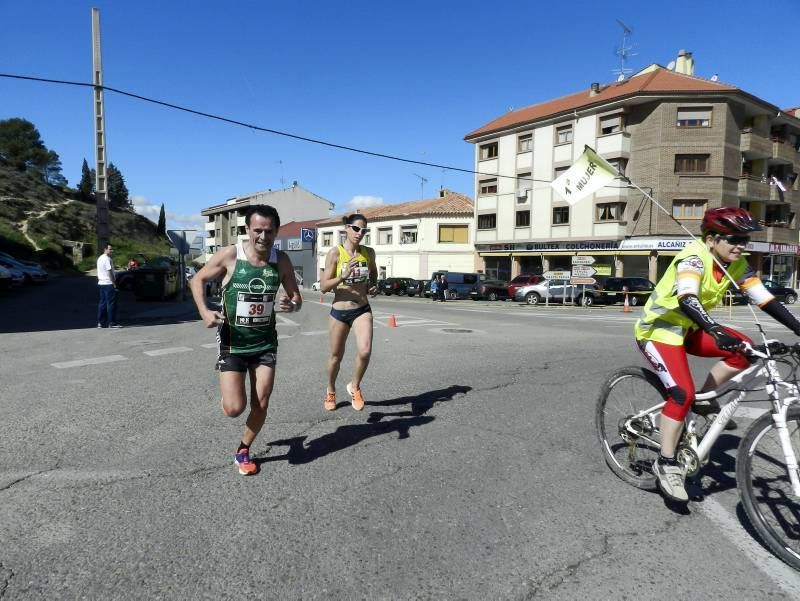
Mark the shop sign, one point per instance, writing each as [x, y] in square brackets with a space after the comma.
[294, 244]
[655, 244]
[783, 249]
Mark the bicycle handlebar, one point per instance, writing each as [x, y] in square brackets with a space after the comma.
[770, 349]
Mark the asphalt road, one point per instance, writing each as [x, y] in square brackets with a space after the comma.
[473, 472]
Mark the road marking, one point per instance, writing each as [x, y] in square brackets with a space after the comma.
[781, 574]
[314, 333]
[93, 361]
[285, 321]
[210, 345]
[283, 336]
[168, 351]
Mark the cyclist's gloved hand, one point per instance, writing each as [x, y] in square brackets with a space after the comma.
[724, 340]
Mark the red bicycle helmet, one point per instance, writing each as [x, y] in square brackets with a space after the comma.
[728, 220]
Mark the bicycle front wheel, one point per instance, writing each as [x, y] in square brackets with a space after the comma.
[626, 418]
[764, 487]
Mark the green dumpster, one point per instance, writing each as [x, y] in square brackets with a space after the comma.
[158, 278]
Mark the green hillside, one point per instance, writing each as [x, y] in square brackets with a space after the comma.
[36, 218]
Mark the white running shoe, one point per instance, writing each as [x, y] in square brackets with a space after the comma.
[671, 481]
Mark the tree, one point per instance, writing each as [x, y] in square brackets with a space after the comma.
[51, 171]
[115, 188]
[86, 186]
[161, 228]
[22, 146]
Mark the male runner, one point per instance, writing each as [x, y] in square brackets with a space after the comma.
[252, 271]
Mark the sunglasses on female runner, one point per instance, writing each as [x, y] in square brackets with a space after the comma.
[356, 229]
[735, 240]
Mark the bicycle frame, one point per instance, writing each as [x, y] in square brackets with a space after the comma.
[765, 368]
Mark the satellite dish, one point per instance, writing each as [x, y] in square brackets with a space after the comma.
[671, 66]
[621, 77]
[714, 77]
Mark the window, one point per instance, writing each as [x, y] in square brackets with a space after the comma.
[327, 238]
[523, 218]
[487, 222]
[560, 215]
[564, 134]
[619, 164]
[487, 186]
[558, 171]
[694, 117]
[367, 238]
[342, 236]
[611, 124]
[488, 151]
[408, 234]
[524, 185]
[691, 163]
[525, 143]
[609, 211]
[233, 231]
[384, 235]
[456, 234]
[688, 209]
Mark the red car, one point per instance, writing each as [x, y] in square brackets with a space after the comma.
[523, 279]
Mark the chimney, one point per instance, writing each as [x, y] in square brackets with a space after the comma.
[595, 89]
[685, 63]
[442, 192]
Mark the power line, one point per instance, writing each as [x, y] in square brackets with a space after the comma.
[258, 127]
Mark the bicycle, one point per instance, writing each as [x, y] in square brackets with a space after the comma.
[767, 474]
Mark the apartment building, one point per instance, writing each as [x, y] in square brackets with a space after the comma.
[691, 143]
[412, 239]
[225, 222]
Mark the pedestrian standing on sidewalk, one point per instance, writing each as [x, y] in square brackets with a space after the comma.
[434, 287]
[351, 273]
[443, 288]
[252, 272]
[107, 289]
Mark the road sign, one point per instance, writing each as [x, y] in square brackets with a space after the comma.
[583, 271]
[584, 281]
[582, 260]
[556, 275]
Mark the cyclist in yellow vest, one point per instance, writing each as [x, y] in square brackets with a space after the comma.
[252, 270]
[676, 322]
[350, 271]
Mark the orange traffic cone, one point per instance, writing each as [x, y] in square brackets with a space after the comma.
[392, 322]
[626, 307]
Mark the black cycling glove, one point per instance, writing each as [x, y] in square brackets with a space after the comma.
[724, 340]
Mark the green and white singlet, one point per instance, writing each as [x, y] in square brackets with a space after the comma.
[248, 304]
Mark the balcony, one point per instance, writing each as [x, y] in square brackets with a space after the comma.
[779, 233]
[614, 145]
[210, 226]
[789, 196]
[783, 152]
[240, 221]
[211, 241]
[754, 146]
[751, 187]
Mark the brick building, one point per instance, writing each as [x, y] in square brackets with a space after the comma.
[692, 143]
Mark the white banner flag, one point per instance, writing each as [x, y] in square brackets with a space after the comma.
[589, 173]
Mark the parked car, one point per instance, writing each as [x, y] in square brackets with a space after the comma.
[396, 286]
[554, 291]
[315, 286]
[426, 291]
[782, 293]
[523, 279]
[17, 277]
[190, 272]
[611, 290]
[124, 279]
[31, 274]
[5, 279]
[459, 283]
[5, 255]
[416, 288]
[490, 290]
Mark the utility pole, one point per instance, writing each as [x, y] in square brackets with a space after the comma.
[102, 221]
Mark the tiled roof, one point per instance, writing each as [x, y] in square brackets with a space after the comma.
[452, 203]
[292, 228]
[654, 80]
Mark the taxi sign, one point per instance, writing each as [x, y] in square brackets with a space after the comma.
[556, 275]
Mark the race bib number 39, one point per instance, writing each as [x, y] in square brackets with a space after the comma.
[254, 310]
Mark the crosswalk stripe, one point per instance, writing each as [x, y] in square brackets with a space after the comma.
[92, 361]
[168, 351]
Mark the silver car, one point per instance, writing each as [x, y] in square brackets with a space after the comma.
[552, 291]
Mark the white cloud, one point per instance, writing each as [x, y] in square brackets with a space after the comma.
[363, 201]
[175, 221]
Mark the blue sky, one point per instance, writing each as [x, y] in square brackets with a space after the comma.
[404, 78]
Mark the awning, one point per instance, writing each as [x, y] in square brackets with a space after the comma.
[505, 254]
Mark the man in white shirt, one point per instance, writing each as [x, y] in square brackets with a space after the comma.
[107, 305]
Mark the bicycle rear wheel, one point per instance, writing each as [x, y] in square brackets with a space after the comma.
[626, 393]
[764, 486]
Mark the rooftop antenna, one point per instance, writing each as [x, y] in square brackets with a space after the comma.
[623, 52]
[422, 182]
[283, 185]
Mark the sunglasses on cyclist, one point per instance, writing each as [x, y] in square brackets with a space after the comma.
[356, 228]
[735, 240]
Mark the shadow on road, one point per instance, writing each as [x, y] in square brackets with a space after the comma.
[300, 451]
[70, 303]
